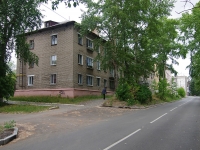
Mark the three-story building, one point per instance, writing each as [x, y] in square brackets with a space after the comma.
[66, 63]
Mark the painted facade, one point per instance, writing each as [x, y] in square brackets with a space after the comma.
[66, 64]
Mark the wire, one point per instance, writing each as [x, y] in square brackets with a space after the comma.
[54, 12]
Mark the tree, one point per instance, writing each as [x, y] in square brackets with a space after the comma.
[126, 26]
[190, 36]
[17, 17]
[194, 90]
[166, 46]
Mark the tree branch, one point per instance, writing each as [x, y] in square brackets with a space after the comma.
[187, 1]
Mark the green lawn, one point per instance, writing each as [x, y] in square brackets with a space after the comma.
[9, 108]
[54, 99]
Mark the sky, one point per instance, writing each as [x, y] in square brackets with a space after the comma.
[64, 14]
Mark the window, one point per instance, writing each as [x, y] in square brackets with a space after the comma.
[105, 83]
[31, 65]
[89, 62]
[89, 43]
[98, 81]
[89, 80]
[80, 59]
[54, 40]
[80, 79]
[31, 44]
[112, 84]
[53, 79]
[111, 72]
[80, 39]
[53, 60]
[99, 51]
[98, 65]
[30, 80]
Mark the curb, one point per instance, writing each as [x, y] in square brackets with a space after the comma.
[9, 138]
[135, 107]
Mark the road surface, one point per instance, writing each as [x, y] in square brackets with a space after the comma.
[170, 126]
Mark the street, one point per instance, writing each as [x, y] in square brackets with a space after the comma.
[170, 126]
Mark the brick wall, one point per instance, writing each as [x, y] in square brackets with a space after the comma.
[66, 68]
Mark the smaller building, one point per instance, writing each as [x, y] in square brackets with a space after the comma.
[182, 81]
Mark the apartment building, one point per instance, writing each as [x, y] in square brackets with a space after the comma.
[66, 64]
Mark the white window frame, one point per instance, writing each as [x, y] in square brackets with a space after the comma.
[89, 61]
[31, 44]
[53, 80]
[98, 65]
[53, 60]
[80, 59]
[80, 39]
[99, 81]
[89, 43]
[30, 80]
[89, 80]
[54, 39]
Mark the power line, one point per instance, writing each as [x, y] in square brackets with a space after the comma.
[54, 12]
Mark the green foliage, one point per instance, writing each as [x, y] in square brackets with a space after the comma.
[143, 95]
[17, 17]
[7, 84]
[181, 92]
[162, 89]
[172, 89]
[68, 3]
[194, 89]
[123, 92]
[1, 129]
[22, 108]
[133, 94]
[55, 99]
[9, 124]
[190, 36]
[154, 86]
[130, 40]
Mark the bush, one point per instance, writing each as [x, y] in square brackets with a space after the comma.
[143, 95]
[181, 92]
[162, 89]
[123, 92]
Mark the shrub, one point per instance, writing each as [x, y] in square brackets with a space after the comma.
[181, 92]
[162, 89]
[143, 95]
[123, 92]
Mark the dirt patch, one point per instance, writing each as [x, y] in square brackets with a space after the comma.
[114, 103]
[24, 131]
[6, 133]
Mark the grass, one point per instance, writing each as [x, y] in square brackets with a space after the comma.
[9, 108]
[54, 99]
[155, 100]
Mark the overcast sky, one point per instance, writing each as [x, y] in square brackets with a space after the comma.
[63, 14]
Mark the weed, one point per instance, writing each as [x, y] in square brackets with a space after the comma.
[9, 125]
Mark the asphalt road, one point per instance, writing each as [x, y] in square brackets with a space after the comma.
[171, 126]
